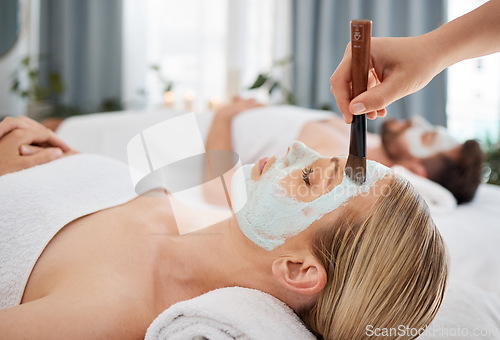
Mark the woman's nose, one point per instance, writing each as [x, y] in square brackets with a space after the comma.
[296, 151]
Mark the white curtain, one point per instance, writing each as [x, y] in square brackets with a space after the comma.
[259, 34]
[210, 50]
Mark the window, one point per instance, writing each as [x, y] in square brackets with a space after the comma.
[186, 39]
[473, 106]
[210, 50]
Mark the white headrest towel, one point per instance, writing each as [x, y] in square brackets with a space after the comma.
[439, 199]
[229, 313]
[468, 312]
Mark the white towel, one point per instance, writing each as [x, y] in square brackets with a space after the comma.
[439, 199]
[108, 133]
[229, 313]
[256, 133]
[468, 312]
[36, 203]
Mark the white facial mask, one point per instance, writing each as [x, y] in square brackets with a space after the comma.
[268, 216]
[443, 141]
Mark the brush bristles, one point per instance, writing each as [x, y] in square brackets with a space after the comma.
[355, 168]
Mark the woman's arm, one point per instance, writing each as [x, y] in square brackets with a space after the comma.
[219, 136]
[69, 317]
[472, 35]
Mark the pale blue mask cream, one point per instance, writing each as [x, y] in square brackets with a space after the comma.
[268, 215]
[442, 140]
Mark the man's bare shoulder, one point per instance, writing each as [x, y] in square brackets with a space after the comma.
[325, 137]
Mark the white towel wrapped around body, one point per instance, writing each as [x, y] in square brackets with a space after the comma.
[229, 313]
[38, 202]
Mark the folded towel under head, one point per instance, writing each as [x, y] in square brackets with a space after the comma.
[229, 313]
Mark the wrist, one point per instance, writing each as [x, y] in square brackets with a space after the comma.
[223, 117]
[438, 50]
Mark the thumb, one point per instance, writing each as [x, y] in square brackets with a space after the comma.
[377, 97]
[27, 150]
[46, 155]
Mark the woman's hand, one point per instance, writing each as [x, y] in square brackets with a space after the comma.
[400, 66]
[237, 106]
[25, 143]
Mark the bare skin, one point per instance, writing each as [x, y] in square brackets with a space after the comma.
[332, 137]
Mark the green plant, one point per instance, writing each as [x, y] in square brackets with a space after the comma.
[63, 111]
[167, 84]
[492, 161]
[111, 104]
[34, 91]
[266, 80]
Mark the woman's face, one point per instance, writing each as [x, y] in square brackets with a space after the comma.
[305, 183]
[278, 198]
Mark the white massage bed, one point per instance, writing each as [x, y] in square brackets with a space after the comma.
[471, 231]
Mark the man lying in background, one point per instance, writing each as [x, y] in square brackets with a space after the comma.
[426, 150]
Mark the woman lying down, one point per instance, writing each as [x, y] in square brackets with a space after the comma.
[85, 257]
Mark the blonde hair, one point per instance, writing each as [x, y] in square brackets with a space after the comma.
[386, 269]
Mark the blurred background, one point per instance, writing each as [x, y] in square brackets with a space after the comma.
[70, 57]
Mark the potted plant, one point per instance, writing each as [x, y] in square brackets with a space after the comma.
[26, 84]
[271, 84]
[492, 161]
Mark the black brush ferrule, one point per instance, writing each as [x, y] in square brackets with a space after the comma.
[357, 146]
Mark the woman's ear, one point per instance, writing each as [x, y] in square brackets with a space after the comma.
[305, 276]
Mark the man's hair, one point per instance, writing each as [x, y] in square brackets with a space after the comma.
[463, 176]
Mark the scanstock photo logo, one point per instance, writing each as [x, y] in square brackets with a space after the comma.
[170, 158]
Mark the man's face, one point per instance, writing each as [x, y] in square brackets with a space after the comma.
[405, 140]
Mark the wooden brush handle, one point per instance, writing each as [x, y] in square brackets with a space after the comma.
[361, 31]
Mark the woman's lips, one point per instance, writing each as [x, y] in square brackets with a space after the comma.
[262, 164]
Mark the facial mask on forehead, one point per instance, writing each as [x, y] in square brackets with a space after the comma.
[268, 216]
[442, 141]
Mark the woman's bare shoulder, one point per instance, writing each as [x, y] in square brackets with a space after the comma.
[69, 316]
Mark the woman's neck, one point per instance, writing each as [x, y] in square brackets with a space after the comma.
[214, 257]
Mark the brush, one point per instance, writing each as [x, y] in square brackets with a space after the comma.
[361, 31]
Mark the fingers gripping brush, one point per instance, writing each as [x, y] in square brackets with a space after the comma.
[361, 31]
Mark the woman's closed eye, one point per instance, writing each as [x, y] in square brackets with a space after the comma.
[306, 173]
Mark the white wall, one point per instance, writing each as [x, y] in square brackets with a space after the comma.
[27, 43]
